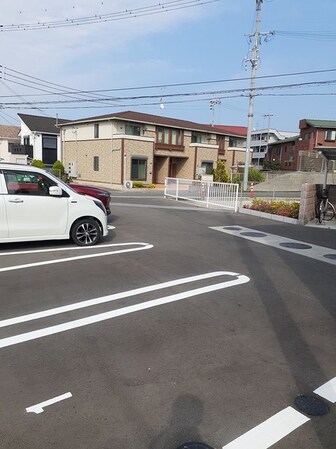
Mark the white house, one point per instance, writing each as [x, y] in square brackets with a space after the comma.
[40, 137]
[9, 138]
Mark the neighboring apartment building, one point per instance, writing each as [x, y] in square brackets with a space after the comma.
[9, 139]
[261, 139]
[40, 137]
[132, 146]
[292, 154]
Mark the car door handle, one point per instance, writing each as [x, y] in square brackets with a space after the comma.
[16, 200]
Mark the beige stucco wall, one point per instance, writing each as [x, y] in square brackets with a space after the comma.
[134, 148]
[83, 152]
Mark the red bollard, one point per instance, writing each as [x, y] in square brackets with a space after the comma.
[251, 191]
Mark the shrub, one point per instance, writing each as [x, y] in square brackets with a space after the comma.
[151, 186]
[37, 163]
[58, 169]
[254, 175]
[282, 208]
[138, 184]
[219, 173]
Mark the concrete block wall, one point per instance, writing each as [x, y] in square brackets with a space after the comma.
[307, 203]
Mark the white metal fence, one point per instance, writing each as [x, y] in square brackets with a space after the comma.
[207, 193]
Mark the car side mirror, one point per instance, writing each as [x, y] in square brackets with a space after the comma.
[55, 191]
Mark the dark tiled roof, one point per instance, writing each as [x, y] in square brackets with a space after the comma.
[330, 124]
[150, 119]
[9, 131]
[41, 124]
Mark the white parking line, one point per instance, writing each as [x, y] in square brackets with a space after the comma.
[141, 247]
[109, 298]
[270, 431]
[320, 253]
[328, 390]
[9, 341]
[38, 408]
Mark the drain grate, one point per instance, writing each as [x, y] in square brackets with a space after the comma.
[295, 245]
[311, 405]
[253, 234]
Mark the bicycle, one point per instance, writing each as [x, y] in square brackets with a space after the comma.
[325, 210]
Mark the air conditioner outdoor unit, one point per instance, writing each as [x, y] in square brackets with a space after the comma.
[128, 184]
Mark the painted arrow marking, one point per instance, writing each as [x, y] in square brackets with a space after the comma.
[38, 408]
[9, 341]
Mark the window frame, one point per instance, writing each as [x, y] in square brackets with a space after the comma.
[138, 160]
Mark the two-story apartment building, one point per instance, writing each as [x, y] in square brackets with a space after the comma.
[133, 146]
[299, 152]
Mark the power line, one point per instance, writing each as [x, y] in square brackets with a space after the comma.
[178, 94]
[64, 90]
[134, 13]
[313, 35]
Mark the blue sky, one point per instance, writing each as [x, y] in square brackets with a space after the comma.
[190, 45]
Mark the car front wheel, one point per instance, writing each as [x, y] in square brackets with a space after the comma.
[85, 232]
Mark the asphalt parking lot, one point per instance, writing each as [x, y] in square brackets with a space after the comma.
[183, 325]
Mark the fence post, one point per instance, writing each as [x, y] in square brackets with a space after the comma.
[208, 193]
[177, 186]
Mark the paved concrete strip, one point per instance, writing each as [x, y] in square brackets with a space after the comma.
[328, 390]
[9, 341]
[320, 253]
[270, 431]
[110, 298]
[138, 247]
[38, 408]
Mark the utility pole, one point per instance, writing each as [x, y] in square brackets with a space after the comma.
[254, 63]
[269, 115]
[213, 103]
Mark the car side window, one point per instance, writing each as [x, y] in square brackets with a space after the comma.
[27, 183]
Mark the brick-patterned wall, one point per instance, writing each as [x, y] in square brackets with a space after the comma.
[307, 203]
[309, 198]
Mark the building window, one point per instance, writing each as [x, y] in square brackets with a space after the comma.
[26, 140]
[132, 130]
[49, 149]
[233, 142]
[138, 169]
[96, 163]
[169, 136]
[176, 137]
[330, 135]
[208, 167]
[96, 130]
[196, 137]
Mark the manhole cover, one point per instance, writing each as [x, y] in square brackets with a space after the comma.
[232, 228]
[253, 234]
[295, 245]
[330, 256]
[194, 446]
[311, 405]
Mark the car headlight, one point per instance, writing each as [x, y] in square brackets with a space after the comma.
[100, 205]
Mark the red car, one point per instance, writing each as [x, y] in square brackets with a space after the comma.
[103, 195]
